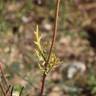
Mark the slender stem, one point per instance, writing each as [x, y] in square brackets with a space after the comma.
[42, 55]
[21, 91]
[2, 89]
[51, 47]
[11, 93]
[43, 83]
[55, 29]
[8, 90]
[4, 78]
[5, 81]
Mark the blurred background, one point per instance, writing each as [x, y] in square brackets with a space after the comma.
[75, 45]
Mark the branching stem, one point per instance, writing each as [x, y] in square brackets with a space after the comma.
[51, 47]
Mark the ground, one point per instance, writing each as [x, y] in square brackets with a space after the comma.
[18, 21]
